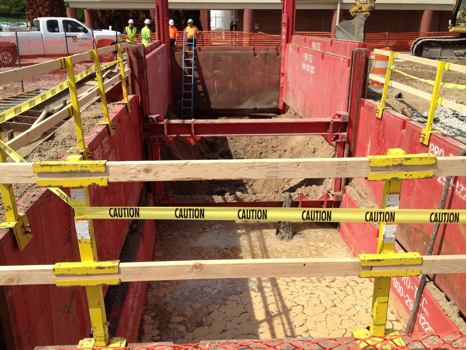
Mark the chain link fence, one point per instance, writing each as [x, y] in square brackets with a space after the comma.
[21, 49]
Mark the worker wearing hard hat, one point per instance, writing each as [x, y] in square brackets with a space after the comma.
[146, 33]
[191, 32]
[173, 34]
[130, 32]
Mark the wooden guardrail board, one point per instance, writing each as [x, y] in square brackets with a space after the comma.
[195, 170]
[237, 268]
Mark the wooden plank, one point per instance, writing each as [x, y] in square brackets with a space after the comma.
[46, 124]
[41, 68]
[80, 57]
[25, 119]
[426, 61]
[194, 170]
[31, 71]
[455, 106]
[17, 126]
[236, 268]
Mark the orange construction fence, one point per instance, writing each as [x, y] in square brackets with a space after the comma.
[395, 41]
[452, 340]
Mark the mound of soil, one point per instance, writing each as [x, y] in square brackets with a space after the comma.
[273, 147]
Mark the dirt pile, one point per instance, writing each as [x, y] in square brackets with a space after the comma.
[274, 147]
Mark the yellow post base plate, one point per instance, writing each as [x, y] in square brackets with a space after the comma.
[89, 343]
[375, 341]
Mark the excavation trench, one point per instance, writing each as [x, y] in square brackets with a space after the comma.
[254, 308]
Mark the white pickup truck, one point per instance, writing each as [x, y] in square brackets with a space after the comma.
[47, 39]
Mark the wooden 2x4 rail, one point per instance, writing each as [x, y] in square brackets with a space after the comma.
[41, 68]
[195, 170]
[217, 269]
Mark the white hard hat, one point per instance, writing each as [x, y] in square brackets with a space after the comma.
[171, 22]
[147, 21]
[130, 21]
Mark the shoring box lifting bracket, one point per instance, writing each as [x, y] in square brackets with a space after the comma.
[394, 158]
[73, 165]
[78, 269]
[21, 230]
[17, 222]
[392, 259]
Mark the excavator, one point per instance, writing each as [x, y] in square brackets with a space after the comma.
[445, 47]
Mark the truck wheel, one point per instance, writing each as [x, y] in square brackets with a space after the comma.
[8, 56]
[109, 56]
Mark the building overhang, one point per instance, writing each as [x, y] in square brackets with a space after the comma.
[439, 5]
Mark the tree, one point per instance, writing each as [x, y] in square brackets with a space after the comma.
[45, 8]
[12, 6]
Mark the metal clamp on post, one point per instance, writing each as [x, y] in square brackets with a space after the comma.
[394, 160]
[384, 260]
[78, 269]
[78, 166]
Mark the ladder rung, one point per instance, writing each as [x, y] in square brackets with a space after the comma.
[187, 99]
[188, 75]
[186, 83]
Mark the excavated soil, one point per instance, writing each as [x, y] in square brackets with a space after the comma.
[447, 121]
[54, 147]
[247, 148]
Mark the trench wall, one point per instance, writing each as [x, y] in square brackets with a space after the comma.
[232, 78]
[375, 137]
[45, 314]
[157, 76]
[129, 314]
[318, 75]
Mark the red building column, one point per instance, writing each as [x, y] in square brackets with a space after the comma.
[205, 18]
[248, 20]
[335, 20]
[72, 12]
[427, 18]
[89, 18]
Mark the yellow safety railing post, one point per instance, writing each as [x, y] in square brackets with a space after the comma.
[18, 223]
[435, 101]
[386, 245]
[85, 228]
[385, 250]
[387, 81]
[68, 64]
[101, 88]
[122, 75]
[88, 253]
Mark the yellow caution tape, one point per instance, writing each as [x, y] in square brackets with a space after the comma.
[407, 216]
[22, 107]
[432, 82]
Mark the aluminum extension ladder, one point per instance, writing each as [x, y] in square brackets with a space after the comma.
[188, 77]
